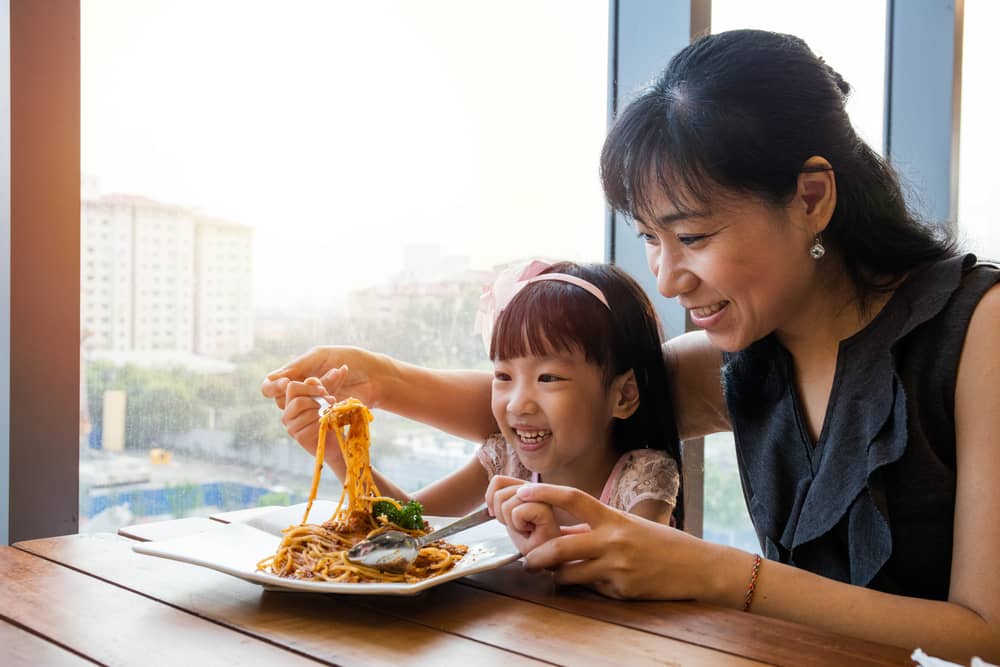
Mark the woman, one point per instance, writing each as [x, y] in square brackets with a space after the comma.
[847, 347]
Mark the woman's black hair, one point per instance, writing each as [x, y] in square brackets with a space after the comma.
[552, 316]
[741, 112]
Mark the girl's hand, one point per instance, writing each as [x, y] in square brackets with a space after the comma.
[622, 555]
[345, 372]
[528, 524]
[301, 418]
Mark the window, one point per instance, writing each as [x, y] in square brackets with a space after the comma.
[979, 142]
[366, 147]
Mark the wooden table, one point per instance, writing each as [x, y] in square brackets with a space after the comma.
[89, 598]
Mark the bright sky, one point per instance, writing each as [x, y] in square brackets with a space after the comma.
[848, 34]
[980, 141]
[345, 131]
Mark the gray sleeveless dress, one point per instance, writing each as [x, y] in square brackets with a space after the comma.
[872, 503]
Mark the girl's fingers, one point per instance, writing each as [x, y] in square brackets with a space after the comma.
[311, 387]
[275, 389]
[500, 489]
[501, 504]
[528, 517]
[509, 502]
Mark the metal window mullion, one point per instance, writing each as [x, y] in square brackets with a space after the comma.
[923, 103]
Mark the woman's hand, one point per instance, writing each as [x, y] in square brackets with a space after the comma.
[301, 418]
[528, 524]
[622, 555]
[345, 372]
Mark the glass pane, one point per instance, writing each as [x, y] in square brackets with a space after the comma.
[261, 177]
[850, 36]
[979, 140]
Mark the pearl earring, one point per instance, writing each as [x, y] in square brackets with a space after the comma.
[817, 249]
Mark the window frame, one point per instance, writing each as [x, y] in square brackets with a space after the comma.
[43, 315]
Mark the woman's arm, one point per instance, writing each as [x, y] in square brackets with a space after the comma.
[693, 366]
[624, 556]
[677, 565]
[454, 401]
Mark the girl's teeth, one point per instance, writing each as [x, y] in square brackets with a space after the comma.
[532, 436]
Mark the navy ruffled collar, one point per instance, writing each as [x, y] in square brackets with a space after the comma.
[798, 492]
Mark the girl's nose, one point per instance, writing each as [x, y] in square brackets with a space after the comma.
[521, 402]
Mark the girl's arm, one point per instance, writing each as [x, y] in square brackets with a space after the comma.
[693, 366]
[455, 494]
[658, 511]
[454, 401]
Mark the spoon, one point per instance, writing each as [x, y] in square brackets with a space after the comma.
[394, 551]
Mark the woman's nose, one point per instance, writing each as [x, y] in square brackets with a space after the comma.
[672, 278]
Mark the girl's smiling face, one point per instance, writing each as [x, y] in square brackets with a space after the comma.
[557, 412]
[740, 267]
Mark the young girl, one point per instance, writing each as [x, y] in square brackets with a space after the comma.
[579, 396]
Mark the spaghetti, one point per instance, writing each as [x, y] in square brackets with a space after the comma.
[319, 551]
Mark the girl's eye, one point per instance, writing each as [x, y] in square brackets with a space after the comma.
[548, 377]
[502, 377]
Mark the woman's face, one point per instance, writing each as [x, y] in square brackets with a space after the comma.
[740, 268]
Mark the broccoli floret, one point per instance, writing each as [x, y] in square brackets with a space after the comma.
[410, 516]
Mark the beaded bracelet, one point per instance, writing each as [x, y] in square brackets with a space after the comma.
[748, 598]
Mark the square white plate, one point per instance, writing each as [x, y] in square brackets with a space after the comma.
[236, 548]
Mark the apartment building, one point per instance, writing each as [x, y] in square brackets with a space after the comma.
[159, 277]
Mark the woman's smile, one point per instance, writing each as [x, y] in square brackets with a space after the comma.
[707, 317]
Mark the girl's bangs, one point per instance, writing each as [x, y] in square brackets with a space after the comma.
[544, 319]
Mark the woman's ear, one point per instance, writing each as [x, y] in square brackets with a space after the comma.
[817, 193]
[625, 391]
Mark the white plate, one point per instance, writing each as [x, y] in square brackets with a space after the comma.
[236, 548]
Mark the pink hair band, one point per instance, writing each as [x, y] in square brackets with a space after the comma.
[572, 280]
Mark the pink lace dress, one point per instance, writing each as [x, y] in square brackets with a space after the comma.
[641, 474]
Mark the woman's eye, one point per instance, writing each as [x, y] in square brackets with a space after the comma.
[646, 237]
[691, 239]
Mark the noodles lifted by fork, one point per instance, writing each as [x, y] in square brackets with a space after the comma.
[319, 551]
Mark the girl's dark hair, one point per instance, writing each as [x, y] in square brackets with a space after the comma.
[551, 316]
[741, 112]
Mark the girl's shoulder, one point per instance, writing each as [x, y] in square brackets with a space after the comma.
[642, 474]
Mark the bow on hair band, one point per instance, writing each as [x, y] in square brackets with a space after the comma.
[509, 282]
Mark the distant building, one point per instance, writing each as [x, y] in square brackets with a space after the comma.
[383, 303]
[224, 288]
[426, 274]
[157, 276]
